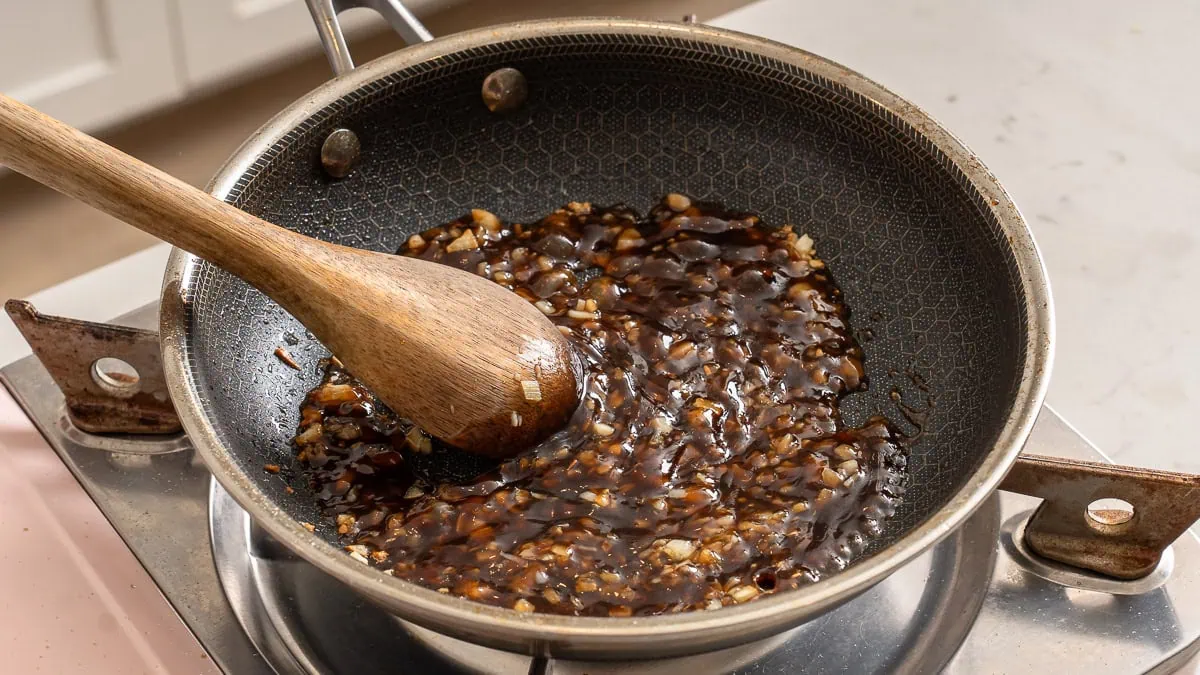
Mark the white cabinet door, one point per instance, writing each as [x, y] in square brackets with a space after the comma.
[91, 63]
[229, 38]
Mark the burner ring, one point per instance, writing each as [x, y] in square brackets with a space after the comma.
[303, 621]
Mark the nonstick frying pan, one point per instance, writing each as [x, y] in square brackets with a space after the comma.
[934, 259]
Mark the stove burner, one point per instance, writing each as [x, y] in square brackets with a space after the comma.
[304, 621]
[975, 603]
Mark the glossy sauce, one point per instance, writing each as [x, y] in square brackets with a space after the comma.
[708, 464]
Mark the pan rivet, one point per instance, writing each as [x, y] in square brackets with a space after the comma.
[339, 152]
[505, 90]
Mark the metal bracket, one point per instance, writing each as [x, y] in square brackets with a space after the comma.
[1114, 542]
[101, 398]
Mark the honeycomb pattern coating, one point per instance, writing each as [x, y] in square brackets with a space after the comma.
[627, 118]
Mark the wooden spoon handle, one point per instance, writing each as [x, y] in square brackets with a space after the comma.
[80, 166]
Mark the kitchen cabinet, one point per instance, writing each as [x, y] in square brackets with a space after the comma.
[226, 38]
[92, 63]
[99, 63]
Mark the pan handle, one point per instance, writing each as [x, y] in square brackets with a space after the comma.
[325, 16]
[1074, 526]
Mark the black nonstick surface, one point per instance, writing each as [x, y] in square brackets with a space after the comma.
[932, 284]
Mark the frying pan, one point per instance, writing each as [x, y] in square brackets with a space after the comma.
[934, 259]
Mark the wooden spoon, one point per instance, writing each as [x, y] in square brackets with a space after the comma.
[466, 360]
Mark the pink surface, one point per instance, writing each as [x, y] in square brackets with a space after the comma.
[73, 599]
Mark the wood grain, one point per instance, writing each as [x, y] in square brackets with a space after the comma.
[445, 348]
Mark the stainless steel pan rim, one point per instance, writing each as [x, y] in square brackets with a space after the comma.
[619, 637]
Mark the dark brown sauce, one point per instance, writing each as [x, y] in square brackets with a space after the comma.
[708, 464]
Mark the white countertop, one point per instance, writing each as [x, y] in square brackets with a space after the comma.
[1089, 112]
[1086, 111]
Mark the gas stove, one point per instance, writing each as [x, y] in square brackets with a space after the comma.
[977, 602]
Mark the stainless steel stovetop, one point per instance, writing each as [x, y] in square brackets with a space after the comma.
[976, 603]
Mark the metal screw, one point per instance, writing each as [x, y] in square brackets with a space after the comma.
[505, 90]
[339, 153]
